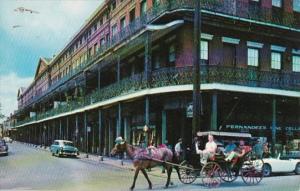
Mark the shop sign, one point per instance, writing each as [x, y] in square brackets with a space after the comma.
[189, 110]
[88, 129]
[260, 127]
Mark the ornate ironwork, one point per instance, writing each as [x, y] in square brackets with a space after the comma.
[180, 76]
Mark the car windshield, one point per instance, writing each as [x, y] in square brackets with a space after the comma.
[68, 144]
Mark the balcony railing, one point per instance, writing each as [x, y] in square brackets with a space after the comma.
[236, 8]
[180, 76]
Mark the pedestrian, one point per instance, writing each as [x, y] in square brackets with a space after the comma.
[266, 153]
[258, 149]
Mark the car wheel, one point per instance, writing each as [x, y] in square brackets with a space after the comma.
[267, 170]
[297, 169]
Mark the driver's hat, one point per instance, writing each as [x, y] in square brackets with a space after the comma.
[119, 140]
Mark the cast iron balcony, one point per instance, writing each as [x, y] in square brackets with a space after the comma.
[165, 77]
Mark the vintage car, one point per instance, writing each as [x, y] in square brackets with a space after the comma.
[281, 165]
[63, 148]
[3, 147]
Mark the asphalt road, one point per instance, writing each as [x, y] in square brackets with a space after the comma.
[28, 168]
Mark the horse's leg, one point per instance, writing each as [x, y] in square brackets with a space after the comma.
[177, 170]
[137, 170]
[169, 171]
[146, 176]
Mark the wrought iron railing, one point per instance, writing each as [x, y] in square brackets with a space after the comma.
[180, 76]
[236, 8]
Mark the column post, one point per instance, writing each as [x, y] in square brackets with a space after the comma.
[214, 112]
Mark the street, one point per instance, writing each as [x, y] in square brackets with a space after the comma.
[29, 168]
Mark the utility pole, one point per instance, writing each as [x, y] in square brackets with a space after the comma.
[196, 68]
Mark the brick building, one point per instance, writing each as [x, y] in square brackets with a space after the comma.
[116, 75]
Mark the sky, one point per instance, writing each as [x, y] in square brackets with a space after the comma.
[25, 37]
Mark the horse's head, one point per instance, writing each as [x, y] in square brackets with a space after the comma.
[119, 147]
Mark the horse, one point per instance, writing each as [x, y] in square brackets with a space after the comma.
[145, 158]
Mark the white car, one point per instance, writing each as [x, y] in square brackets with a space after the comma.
[8, 139]
[276, 165]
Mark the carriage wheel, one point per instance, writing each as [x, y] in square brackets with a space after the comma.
[252, 170]
[211, 175]
[228, 174]
[186, 175]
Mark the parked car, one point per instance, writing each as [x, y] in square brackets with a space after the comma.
[63, 148]
[8, 139]
[281, 165]
[3, 147]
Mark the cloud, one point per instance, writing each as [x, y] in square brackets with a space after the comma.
[9, 85]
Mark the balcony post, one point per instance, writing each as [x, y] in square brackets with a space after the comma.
[76, 129]
[147, 120]
[118, 69]
[99, 78]
[214, 112]
[119, 120]
[67, 125]
[86, 134]
[273, 126]
[148, 55]
[60, 129]
[100, 129]
[163, 126]
[196, 69]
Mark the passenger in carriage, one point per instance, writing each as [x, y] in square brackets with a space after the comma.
[239, 151]
[231, 146]
[209, 151]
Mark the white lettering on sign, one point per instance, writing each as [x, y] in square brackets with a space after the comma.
[260, 127]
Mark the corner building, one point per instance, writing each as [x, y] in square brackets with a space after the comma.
[116, 75]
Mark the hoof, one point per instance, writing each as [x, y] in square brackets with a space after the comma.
[131, 188]
[150, 188]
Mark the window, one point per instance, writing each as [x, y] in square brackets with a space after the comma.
[143, 7]
[252, 57]
[113, 5]
[156, 3]
[172, 53]
[123, 23]
[296, 63]
[204, 50]
[277, 3]
[296, 5]
[276, 60]
[95, 48]
[132, 15]
[156, 60]
[102, 42]
[114, 29]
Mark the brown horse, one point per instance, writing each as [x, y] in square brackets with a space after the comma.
[143, 160]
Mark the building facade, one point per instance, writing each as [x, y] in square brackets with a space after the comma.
[117, 75]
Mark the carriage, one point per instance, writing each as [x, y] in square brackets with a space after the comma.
[217, 169]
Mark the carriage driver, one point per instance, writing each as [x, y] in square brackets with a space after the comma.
[209, 151]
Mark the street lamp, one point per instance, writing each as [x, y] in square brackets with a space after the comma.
[146, 129]
[196, 68]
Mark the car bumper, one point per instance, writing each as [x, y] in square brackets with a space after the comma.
[3, 152]
[69, 153]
